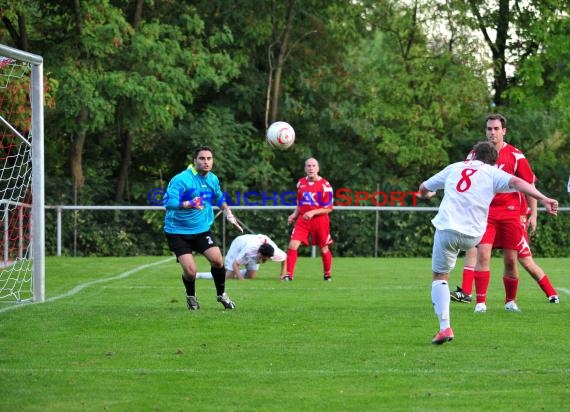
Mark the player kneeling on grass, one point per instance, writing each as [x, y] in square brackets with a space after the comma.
[461, 221]
[250, 251]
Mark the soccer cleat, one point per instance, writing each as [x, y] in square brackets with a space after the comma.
[192, 303]
[443, 336]
[511, 306]
[480, 307]
[286, 278]
[327, 278]
[225, 300]
[460, 296]
[554, 299]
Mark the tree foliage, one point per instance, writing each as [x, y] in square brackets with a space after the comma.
[382, 92]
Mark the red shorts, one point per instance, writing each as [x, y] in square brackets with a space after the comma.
[523, 246]
[504, 228]
[317, 229]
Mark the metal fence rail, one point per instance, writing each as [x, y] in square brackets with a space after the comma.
[60, 209]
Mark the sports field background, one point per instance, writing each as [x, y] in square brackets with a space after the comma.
[115, 335]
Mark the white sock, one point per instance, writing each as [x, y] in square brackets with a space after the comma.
[203, 275]
[243, 272]
[441, 301]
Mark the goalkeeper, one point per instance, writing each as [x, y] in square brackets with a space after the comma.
[189, 216]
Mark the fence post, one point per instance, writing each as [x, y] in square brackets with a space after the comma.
[58, 230]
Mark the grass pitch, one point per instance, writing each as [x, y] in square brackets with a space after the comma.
[115, 335]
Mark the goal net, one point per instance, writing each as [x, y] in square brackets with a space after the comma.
[21, 177]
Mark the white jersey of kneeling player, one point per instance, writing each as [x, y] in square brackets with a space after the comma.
[244, 250]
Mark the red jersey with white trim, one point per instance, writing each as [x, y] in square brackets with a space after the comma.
[512, 161]
[314, 195]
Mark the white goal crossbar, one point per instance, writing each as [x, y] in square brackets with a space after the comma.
[36, 254]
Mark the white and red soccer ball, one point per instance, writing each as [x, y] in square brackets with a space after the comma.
[280, 135]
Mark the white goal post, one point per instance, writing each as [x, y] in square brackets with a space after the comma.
[22, 219]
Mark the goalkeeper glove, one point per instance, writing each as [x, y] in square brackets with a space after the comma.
[232, 219]
[195, 203]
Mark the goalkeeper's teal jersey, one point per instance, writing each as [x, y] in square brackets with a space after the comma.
[186, 186]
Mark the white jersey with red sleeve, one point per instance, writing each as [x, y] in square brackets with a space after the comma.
[314, 195]
[469, 187]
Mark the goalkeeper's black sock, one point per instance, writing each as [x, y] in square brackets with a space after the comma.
[219, 275]
[190, 285]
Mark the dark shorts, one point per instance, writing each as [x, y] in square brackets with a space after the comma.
[186, 244]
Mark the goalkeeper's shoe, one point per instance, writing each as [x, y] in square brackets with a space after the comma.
[327, 278]
[225, 300]
[192, 303]
[554, 299]
[286, 278]
[443, 336]
[460, 296]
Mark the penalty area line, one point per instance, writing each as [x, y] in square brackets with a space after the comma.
[82, 286]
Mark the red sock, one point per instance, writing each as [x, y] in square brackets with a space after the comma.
[291, 262]
[511, 286]
[327, 263]
[481, 284]
[467, 280]
[545, 285]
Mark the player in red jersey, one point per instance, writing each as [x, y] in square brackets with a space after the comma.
[528, 221]
[504, 220]
[311, 217]
[504, 223]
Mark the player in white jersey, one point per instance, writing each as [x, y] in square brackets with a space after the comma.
[250, 251]
[469, 188]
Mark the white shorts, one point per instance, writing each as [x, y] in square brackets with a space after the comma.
[446, 246]
[229, 261]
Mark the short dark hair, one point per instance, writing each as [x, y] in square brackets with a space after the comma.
[266, 250]
[486, 152]
[202, 148]
[497, 116]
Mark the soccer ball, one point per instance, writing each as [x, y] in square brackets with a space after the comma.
[280, 135]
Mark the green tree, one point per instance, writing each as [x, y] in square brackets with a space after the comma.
[156, 77]
[414, 98]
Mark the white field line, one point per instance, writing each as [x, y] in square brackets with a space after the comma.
[82, 286]
[123, 275]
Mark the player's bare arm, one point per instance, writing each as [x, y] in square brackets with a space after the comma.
[283, 268]
[532, 219]
[519, 184]
[291, 218]
[237, 270]
[425, 193]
